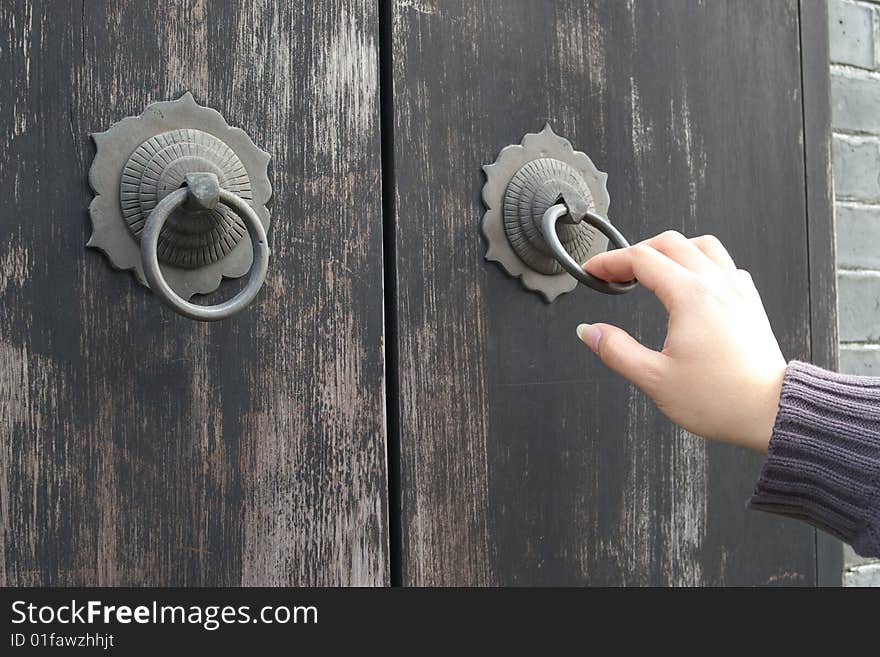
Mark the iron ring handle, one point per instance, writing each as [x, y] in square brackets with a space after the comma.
[150, 258]
[548, 226]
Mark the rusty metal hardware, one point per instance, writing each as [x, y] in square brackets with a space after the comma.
[575, 210]
[544, 182]
[203, 192]
[180, 199]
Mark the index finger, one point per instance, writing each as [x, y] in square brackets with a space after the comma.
[656, 271]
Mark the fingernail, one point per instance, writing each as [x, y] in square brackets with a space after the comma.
[590, 335]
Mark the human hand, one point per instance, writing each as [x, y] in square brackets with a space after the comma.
[719, 374]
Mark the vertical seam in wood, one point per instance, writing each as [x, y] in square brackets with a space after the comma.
[389, 268]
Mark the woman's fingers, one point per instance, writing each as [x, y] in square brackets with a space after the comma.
[625, 355]
[654, 270]
[667, 264]
[715, 251]
[685, 252]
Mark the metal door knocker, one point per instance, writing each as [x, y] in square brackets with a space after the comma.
[180, 199]
[545, 203]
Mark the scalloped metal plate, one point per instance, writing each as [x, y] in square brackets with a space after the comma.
[111, 233]
[511, 159]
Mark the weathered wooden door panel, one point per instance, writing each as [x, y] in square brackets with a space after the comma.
[522, 459]
[140, 447]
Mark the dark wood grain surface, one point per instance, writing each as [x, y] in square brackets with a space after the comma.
[522, 459]
[139, 447]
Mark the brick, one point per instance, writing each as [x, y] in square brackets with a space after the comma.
[866, 575]
[858, 236]
[858, 301]
[855, 107]
[860, 360]
[851, 33]
[856, 164]
[855, 101]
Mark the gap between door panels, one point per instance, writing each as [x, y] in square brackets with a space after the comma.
[389, 270]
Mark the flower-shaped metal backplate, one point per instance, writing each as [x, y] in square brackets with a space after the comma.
[524, 181]
[142, 159]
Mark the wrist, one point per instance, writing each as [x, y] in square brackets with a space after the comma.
[767, 410]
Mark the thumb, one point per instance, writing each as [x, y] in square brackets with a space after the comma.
[624, 354]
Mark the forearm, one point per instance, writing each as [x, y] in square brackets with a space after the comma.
[823, 463]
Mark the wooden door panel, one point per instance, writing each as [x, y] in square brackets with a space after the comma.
[522, 459]
[143, 448]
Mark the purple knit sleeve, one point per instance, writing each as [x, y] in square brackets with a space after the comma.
[823, 463]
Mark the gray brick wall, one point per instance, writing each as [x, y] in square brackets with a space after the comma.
[854, 27]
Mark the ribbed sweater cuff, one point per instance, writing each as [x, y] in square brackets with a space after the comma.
[823, 462]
